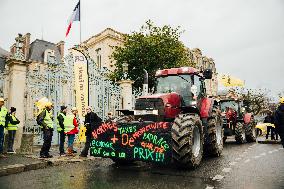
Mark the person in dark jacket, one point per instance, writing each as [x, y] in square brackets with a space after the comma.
[92, 121]
[270, 119]
[60, 128]
[279, 120]
[12, 128]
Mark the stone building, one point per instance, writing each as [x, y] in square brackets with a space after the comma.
[100, 47]
[203, 62]
[29, 72]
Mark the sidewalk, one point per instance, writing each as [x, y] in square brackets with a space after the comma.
[17, 163]
[263, 140]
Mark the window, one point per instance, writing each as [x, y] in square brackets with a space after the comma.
[199, 83]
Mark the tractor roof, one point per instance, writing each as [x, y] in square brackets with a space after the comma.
[178, 71]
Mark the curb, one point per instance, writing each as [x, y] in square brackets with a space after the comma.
[41, 164]
[269, 142]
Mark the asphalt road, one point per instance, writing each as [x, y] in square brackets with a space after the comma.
[247, 166]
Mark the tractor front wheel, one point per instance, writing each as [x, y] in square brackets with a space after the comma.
[215, 135]
[187, 140]
[251, 132]
[240, 133]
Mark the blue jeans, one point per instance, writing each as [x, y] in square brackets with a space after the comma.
[71, 139]
[1, 138]
[11, 139]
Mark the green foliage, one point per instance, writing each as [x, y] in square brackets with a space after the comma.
[151, 48]
[255, 100]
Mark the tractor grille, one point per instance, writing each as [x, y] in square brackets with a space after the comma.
[150, 104]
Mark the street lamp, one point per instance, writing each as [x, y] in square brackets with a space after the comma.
[125, 70]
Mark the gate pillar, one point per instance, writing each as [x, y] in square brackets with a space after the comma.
[126, 94]
[17, 70]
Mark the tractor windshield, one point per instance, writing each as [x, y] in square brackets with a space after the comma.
[229, 104]
[180, 84]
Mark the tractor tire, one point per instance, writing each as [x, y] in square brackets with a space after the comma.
[187, 141]
[224, 139]
[240, 133]
[214, 142]
[251, 132]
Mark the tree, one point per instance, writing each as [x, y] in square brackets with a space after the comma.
[151, 48]
[255, 100]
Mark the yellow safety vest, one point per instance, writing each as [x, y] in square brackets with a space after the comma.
[3, 114]
[68, 123]
[59, 129]
[48, 119]
[12, 127]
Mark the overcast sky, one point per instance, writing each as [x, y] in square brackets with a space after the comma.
[244, 37]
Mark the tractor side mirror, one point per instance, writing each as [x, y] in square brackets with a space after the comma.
[207, 73]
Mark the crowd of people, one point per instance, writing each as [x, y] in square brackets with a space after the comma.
[67, 127]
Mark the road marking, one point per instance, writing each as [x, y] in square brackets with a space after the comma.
[238, 159]
[256, 157]
[209, 187]
[218, 177]
[270, 152]
[227, 170]
[275, 150]
[248, 160]
[263, 154]
[242, 155]
[233, 163]
[280, 148]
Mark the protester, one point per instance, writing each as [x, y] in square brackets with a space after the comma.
[92, 121]
[3, 123]
[110, 118]
[270, 119]
[279, 120]
[44, 120]
[12, 128]
[61, 119]
[71, 128]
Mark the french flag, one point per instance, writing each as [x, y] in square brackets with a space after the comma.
[74, 17]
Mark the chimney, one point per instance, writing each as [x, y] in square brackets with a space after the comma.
[26, 46]
[60, 46]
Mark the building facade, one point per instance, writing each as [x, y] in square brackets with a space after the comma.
[101, 46]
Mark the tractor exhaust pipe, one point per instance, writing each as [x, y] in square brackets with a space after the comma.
[145, 83]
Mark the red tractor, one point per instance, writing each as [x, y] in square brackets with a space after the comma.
[174, 125]
[236, 121]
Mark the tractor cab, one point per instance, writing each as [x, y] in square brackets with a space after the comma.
[177, 89]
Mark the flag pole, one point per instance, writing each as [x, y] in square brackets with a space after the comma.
[80, 20]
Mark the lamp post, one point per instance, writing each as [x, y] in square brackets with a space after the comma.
[125, 70]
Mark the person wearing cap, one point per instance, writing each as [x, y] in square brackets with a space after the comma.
[44, 119]
[279, 120]
[71, 131]
[4, 114]
[61, 120]
[92, 121]
[12, 128]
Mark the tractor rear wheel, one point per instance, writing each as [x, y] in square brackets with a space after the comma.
[240, 133]
[214, 145]
[251, 132]
[187, 140]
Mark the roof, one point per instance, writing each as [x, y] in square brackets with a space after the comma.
[100, 35]
[38, 47]
[4, 53]
[177, 71]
